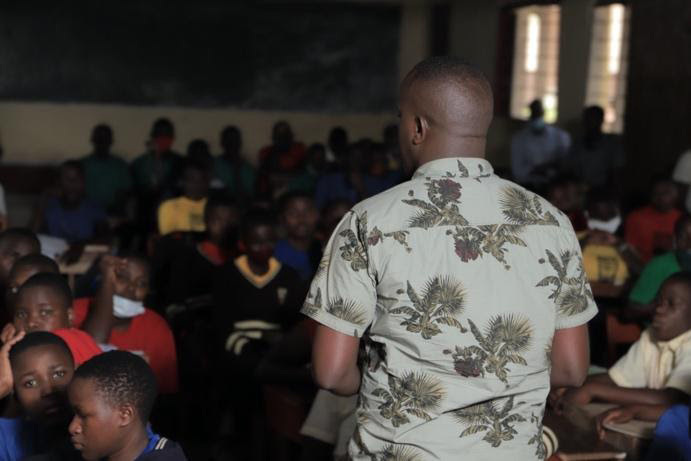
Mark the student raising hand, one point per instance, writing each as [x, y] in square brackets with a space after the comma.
[6, 379]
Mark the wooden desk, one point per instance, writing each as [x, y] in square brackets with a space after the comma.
[578, 443]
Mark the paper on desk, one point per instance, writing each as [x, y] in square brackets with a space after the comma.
[53, 247]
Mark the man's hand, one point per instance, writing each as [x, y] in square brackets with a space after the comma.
[6, 378]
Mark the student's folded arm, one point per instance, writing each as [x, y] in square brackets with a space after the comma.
[628, 396]
[334, 360]
[570, 357]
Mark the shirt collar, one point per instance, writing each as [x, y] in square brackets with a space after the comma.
[674, 343]
[456, 167]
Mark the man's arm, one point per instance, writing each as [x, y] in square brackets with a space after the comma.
[334, 358]
[570, 357]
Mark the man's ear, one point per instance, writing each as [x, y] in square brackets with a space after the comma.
[421, 128]
[126, 415]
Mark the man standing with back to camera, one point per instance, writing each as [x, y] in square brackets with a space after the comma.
[467, 292]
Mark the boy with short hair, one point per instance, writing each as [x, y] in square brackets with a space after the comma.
[39, 366]
[299, 249]
[44, 303]
[186, 213]
[112, 396]
[657, 368]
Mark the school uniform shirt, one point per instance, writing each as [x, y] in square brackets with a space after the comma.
[304, 262]
[106, 178]
[248, 305]
[650, 231]
[155, 172]
[161, 449]
[655, 364]
[18, 439]
[148, 334]
[530, 150]
[671, 441]
[456, 282]
[603, 263]
[72, 224]
[654, 273]
[81, 344]
[181, 214]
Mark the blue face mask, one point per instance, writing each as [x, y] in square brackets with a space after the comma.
[537, 125]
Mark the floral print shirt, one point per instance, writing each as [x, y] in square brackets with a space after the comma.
[455, 281]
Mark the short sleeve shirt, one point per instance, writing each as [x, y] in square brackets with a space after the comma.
[655, 364]
[456, 282]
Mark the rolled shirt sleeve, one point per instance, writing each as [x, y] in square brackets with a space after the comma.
[343, 293]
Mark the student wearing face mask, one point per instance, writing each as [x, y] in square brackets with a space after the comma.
[118, 317]
[607, 258]
[537, 149]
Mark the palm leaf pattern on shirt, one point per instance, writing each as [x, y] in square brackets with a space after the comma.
[347, 310]
[492, 418]
[505, 339]
[442, 208]
[536, 439]
[313, 304]
[472, 242]
[398, 453]
[414, 394]
[439, 304]
[523, 208]
[571, 293]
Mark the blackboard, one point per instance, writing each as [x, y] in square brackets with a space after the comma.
[316, 56]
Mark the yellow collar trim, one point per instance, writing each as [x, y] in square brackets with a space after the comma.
[259, 281]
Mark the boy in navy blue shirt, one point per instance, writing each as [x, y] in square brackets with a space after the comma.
[112, 396]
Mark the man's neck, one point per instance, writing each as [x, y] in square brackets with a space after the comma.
[465, 147]
[133, 446]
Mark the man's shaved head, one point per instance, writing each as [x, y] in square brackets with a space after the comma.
[446, 109]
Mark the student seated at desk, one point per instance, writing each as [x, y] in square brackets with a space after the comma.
[38, 367]
[194, 265]
[657, 368]
[299, 249]
[112, 397]
[118, 317]
[70, 215]
[44, 303]
[186, 213]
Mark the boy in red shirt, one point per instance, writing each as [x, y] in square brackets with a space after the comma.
[650, 230]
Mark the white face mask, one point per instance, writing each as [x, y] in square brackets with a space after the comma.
[126, 308]
[610, 226]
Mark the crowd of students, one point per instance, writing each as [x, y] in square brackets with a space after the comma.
[210, 263]
[199, 300]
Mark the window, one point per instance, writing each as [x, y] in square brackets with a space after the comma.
[608, 65]
[536, 60]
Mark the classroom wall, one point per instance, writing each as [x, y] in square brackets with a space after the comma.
[36, 133]
[473, 36]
